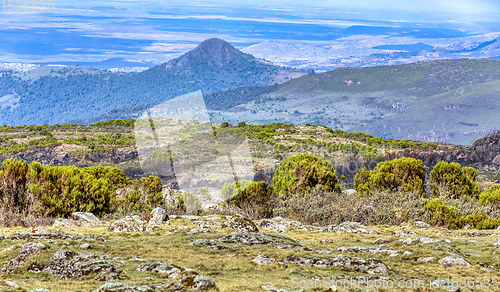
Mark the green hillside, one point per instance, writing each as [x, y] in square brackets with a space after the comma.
[451, 101]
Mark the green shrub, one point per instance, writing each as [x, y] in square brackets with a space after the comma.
[191, 203]
[13, 180]
[303, 172]
[152, 188]
[449, 180]
[67, 189]
[399, 175]
[490, 195]
[443, 215]
[255, 200]
[203, 191]
[232, 189]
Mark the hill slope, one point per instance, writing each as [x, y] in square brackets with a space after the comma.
[452, 101]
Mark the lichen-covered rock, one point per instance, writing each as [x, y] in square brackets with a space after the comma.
[78, 219]
[421, 224]
[242, 224]
[352, 264]
[375, 250]
[86, 219]
[26, 251]
[425, 259]
[157, 217]
[68, 264]
[165, 270]
[197, 282]
[454, 260]
[273, 226]
[426, 240]
[130, 224]
[263, 260]
[42, 233]
[256, 238]
[350, 227]
[119, 287]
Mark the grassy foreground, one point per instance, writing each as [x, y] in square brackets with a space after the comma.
[233, 269]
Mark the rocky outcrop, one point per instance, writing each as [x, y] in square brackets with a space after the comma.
[42, 233]
[157, 217]
[255, 238]
[67, 264]
[454, 260]
[352, 264]
[263, 260]
[375, 250]
[26, 251]
[242, 224]
[166, 270]
[78, 219]
[130, 224]
[350, 227]
[272, 226]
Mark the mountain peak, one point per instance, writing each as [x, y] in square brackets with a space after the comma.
[215, 43]
[218, 52]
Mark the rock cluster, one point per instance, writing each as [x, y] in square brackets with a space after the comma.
[350, 227]
[352, 264]
[78, 219]
[67, 264]
[255, 238]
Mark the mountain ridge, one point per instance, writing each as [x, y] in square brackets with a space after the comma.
[59, 95]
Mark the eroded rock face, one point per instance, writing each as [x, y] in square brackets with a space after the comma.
[352, 264]
[242, 224]
[68, 264]
[157, 216]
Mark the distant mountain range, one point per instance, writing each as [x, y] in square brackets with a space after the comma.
[58, 94]
[454, 101]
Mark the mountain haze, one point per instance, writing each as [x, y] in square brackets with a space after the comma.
[60, 94]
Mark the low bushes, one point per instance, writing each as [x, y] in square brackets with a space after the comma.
[449, 180]
[303, 172]
[442, 215]
[57, 191]
[399, 175]
[255, 201]
[490, 195]
[189, 202]
[325, 208]
[232, 189]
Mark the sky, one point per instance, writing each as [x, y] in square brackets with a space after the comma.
[157, 31]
